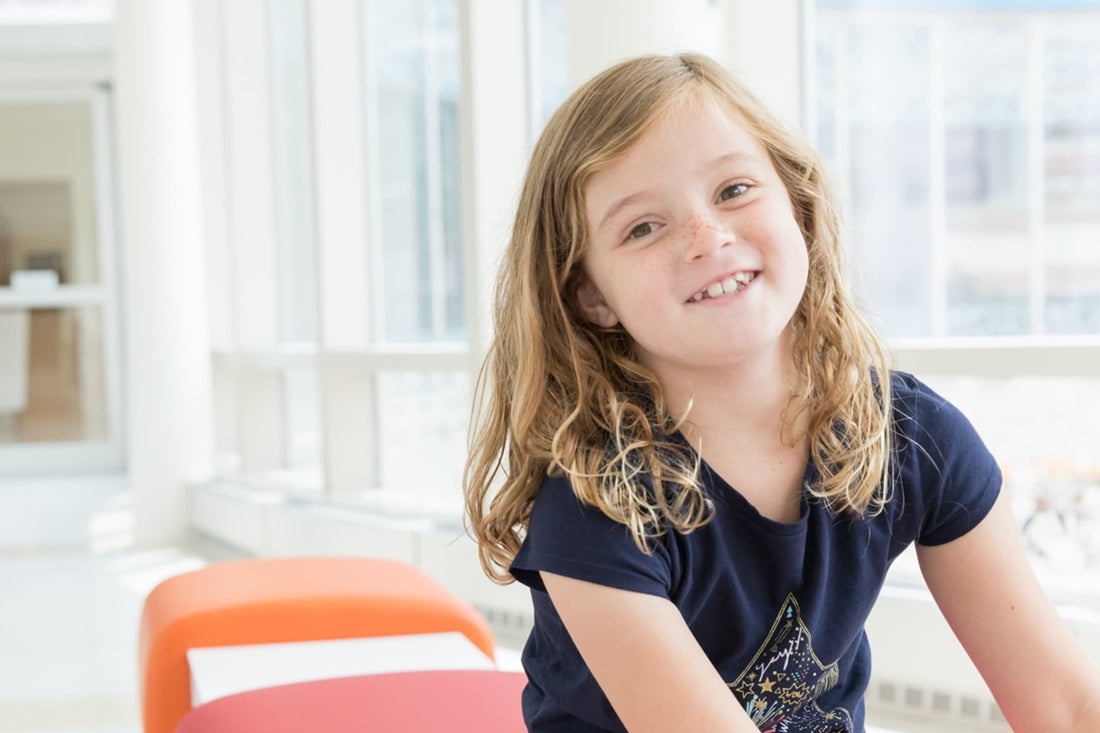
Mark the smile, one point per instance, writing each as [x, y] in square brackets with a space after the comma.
[735, 283]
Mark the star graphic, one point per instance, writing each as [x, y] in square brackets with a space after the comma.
[767, 686]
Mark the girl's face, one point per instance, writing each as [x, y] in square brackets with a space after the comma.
[693, 245]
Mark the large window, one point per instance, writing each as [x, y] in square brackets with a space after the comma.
[966, 141]
[968, 146]
[351, 297]
[344, 352]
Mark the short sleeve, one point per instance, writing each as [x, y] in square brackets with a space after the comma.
[567, 537]
[944, 460]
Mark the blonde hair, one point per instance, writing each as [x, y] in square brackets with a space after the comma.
[558, 395]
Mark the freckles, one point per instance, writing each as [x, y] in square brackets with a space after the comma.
[696, 228]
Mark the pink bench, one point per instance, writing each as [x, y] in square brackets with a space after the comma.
[405, 702]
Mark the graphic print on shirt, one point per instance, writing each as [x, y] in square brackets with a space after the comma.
[780, 687]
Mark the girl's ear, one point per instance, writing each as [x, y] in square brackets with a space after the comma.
[592, 304]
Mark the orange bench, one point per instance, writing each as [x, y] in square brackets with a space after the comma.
[261, 601]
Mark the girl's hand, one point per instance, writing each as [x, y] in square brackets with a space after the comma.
[985, 587]
[646, 660]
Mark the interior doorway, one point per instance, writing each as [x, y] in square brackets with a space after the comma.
[60, 381]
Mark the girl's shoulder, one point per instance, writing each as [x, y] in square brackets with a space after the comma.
[941, 465]
[569, 537]
[906, 387]
[921, 413]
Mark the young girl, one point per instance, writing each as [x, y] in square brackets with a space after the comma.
[693, 449]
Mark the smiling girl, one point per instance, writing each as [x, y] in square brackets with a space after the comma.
[693, 449]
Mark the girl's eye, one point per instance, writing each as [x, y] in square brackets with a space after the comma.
[733, 191]
[644, 229]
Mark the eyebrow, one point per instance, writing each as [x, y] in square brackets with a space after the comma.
[619, 206]
[739, 157]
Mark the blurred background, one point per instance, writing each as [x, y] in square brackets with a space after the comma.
[247, 252]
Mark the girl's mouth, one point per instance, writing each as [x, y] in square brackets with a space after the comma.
[733, 284]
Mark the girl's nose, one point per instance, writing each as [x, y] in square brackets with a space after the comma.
[705, 236]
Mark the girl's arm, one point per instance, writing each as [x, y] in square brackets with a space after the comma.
[985, 587]
[646, 659]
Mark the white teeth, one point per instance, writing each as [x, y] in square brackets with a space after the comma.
[731, 284]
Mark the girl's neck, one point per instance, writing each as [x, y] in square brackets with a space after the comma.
[739, 423]
[747, 400]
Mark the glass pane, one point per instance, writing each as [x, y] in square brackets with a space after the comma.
[888, 174]
[447, 71]
[47, 195]
[52, 383]
[422, 432]
[1072, 178]
[551, 64]
[413, 61]
[293, 182]
[987, 182]
[826, 51]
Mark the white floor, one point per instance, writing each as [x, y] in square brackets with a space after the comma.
[71, 588]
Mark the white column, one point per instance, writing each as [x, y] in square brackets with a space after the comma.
[494, 148]
[167, 352]
[761, 42]
[602, 32]
[249, 162]
[216, 200]
[337, 86]
[339, 171]
[764, 48]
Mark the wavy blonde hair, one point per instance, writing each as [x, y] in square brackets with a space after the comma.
[558, 395]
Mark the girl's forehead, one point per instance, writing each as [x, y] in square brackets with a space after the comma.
[687, 110]
[695, 120]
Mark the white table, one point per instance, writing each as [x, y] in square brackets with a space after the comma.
[225, 670]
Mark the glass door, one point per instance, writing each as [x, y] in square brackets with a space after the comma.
[60, 403]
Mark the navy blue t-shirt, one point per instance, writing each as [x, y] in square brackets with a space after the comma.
[778, 608]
